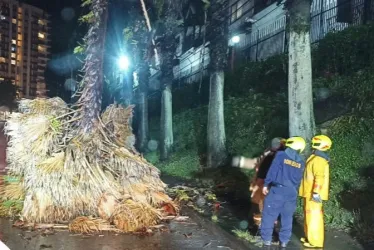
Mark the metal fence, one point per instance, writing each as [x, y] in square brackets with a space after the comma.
[326, 16]
[269, 37]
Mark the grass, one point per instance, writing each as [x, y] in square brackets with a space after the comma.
[182, 165]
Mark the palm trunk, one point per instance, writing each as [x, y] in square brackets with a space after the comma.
[216, 151]
[143, 130]
[300, 96]
[166, 140]
[91, 97]
[216, 121]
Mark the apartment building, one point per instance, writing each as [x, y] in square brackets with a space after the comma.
[24, 47]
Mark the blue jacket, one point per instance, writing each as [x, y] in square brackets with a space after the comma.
[286, 170]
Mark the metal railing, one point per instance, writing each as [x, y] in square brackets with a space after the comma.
[271, 37]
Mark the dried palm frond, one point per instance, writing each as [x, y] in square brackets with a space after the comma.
[13, 191]
[66, 174]
[107, 206]
[117, 119]
[55, 163]
[131, 216]
[88, 225]
[43, 106]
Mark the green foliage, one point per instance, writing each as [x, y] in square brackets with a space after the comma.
[159, 4]
[269, 76]
[79, 49]
[345, 52]
[86, 3]
[88, 18]
[183, 164]
[128, 34]
[206, 4]
[256, 110]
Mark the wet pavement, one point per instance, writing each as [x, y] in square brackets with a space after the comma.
[195, 233]
[182, 235]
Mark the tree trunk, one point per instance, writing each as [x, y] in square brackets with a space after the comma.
[143, 129]
[216, 151]
[216, 121]
[91, 97]
[166, 140]
[300, 95]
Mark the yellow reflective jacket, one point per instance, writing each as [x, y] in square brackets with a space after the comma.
[316, 176]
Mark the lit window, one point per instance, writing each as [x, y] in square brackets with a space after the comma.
[14, 20]
[2, 59]
[2, 17]
[2, 79]
[236, 11]
[41, 22]
[42, 49]
[13, 62]
[14, 41]
[41, 35]
[13, 49]
[13, 55]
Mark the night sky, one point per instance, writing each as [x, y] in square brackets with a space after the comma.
[66, 33]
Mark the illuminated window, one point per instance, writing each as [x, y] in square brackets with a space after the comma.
[14, 41]
[14, 20]
[13, 55]
[13, 62]
[2, 79]
[2, 59]
[41, 22]
[41, 35]
[42, 49]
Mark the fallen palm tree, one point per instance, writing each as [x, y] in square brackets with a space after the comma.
[60, 176]
[76, 165]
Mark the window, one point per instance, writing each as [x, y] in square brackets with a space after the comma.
[14, 41]
[42, 22]
[13, 62]
[14, 20]
[2, 79]
[236, 10]
[41, 35]
[13, 55]
[2, 60]
[42, 49]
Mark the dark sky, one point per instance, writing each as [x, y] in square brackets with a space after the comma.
[66, 33]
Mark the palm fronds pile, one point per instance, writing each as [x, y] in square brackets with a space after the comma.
[63, 175]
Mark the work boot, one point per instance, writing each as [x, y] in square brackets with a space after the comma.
[267, 243]
[304, 240]
[283, 245]
[308, 245]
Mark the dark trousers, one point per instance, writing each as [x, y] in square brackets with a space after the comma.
[279, 201]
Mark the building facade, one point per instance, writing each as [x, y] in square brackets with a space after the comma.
[261, 27]
[24, 47]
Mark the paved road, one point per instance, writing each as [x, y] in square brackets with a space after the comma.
[182, 235]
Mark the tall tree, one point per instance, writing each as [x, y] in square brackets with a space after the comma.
[169, 20]
[218, 32]
[138, 38]
[85, 163]
[91, 97]
[300, 96]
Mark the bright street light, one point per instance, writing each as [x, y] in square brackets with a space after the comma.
[123, 63]
[235, 39]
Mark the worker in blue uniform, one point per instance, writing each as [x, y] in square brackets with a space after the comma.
[281, 189]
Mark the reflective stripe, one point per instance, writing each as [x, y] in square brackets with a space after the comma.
[313, 211]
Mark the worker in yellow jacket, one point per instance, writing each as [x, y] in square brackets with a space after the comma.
[314, 188]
